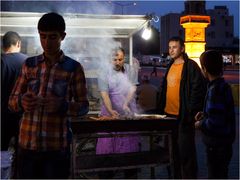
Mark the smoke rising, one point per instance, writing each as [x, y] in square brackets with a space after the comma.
[93, 53]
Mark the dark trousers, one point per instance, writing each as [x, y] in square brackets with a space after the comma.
[187, 152]
[43, 165]
[9, 128]
[9, 136]
[185, 155]
[218, 159]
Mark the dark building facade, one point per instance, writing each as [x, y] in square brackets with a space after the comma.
[220, 31]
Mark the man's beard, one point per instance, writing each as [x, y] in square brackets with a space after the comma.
[117, 68]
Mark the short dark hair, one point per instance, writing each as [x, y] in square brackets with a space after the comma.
[10, 38]
[178, 39]
[51, 22]
[213, 62]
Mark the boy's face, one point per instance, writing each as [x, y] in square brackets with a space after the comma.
[51, 41]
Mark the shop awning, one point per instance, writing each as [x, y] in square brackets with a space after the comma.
[78, 25]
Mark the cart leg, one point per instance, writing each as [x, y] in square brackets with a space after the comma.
[152, 169]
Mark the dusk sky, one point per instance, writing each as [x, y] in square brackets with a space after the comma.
[163, 7]
[160, 7]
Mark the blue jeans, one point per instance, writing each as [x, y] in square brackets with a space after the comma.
[43, 165]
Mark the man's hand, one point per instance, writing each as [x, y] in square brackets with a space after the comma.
[126, 109]
[114, 114]
[197, 124]
[30, 102]
[199, 116]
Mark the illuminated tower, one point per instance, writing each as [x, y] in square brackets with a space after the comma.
[194, 22]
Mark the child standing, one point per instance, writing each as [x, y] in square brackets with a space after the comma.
[217, 121]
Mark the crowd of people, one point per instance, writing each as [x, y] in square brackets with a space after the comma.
[41, 93]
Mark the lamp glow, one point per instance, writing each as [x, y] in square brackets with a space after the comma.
[147, 33]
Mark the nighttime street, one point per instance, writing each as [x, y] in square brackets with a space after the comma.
[81, 84]
[231, 76]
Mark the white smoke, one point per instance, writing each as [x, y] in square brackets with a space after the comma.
[93, 53]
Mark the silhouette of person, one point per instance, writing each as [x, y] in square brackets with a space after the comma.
[154, 71]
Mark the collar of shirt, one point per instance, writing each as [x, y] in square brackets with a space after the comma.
[59, 59]
[217, 80]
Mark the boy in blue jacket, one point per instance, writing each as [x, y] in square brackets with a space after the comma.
[217, 121]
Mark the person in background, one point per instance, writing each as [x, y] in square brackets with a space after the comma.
[136, 69]
[50, 89]
[11, 62]
[154, 71]
[147, 96]
[183, 91]
[117, 92]
[217, 121]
